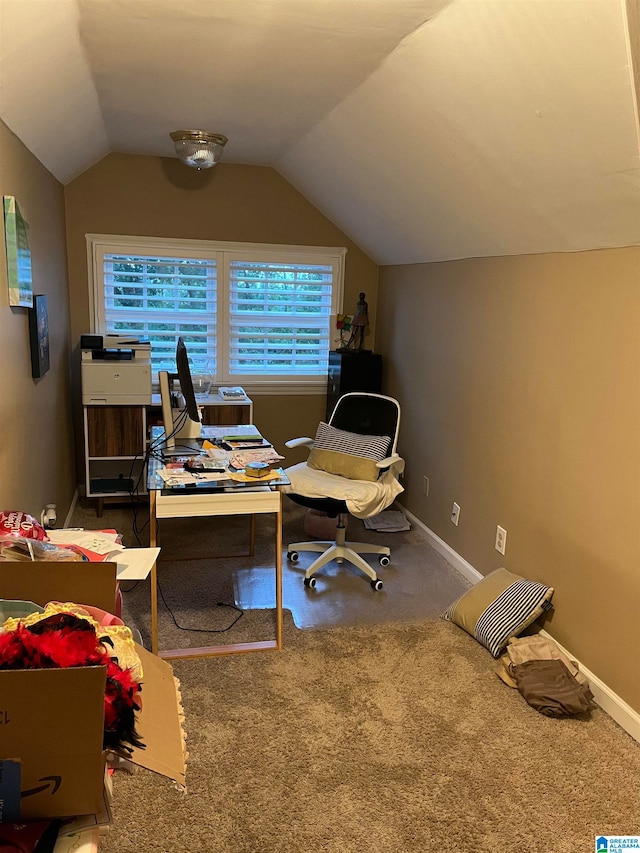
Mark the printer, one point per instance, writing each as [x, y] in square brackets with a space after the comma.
[115, 370]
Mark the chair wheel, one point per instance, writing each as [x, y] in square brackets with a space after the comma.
[377, 585]
[310, 582]
[384, 560]
[293, 556]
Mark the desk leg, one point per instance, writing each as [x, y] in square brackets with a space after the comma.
[234, 648]
[252, 536]
[279, 573]
[153, 530]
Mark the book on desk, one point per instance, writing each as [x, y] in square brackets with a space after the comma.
[246, 443]
[238, 433]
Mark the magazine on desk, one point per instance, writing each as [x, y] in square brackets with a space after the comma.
[234, 394]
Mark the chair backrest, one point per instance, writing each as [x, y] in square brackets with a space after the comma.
[368, 414]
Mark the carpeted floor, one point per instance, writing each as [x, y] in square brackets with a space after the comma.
[389, 736]
[381, 738]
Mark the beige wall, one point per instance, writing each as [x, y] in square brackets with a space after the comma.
[160, 197]
[36, 445]
[519, 379]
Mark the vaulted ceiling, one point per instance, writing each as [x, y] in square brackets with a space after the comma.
[425, 129]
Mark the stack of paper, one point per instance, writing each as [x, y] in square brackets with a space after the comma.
[181, 477]
[230, 433]
[389, 521]
[132, 563]
[240, 432]
[95, 544]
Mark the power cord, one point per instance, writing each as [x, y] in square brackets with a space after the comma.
[238, 610]
[151, 450]
[203, 630]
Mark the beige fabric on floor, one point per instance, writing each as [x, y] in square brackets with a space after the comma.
[534, 647]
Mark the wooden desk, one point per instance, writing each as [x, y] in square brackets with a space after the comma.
[205, 500]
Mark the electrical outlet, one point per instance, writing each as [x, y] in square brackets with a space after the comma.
[425, 486]
[501, 539]
[455, 513]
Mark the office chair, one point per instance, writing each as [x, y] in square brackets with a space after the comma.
[359, 441]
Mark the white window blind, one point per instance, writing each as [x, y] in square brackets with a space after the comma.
[250, 314]
[279, 316]
[160, 299]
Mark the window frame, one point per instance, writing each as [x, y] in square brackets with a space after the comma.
[222, 252]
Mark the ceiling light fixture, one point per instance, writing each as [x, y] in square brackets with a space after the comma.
[198, 148]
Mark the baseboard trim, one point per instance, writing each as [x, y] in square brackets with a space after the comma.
[624, 715]
[459, 563]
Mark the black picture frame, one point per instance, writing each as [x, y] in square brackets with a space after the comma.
[39, 336]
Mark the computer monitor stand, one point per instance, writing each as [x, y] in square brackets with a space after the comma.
[180, 430]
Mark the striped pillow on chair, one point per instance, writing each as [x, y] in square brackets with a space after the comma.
[347, 454]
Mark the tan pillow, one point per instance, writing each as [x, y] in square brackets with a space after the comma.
[347, 454]
[499, 607]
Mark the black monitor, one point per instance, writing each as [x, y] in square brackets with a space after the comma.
[186, 383]
[184, 422]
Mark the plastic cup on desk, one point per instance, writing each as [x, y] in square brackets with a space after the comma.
[201, 386]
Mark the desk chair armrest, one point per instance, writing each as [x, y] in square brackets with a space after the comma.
[389, 461]
[299, 442]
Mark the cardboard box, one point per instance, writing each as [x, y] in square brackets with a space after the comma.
[51, 720]
[81, 582]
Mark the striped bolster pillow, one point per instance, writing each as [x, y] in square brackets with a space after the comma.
[499, 607]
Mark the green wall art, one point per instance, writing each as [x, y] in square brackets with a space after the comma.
[16, 235]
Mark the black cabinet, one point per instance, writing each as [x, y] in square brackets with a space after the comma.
[352, 371]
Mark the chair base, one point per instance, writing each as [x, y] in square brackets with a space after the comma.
[339, 551]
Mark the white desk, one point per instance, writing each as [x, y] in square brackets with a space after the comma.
[236, 499]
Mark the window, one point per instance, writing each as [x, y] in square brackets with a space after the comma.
[250, 314]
